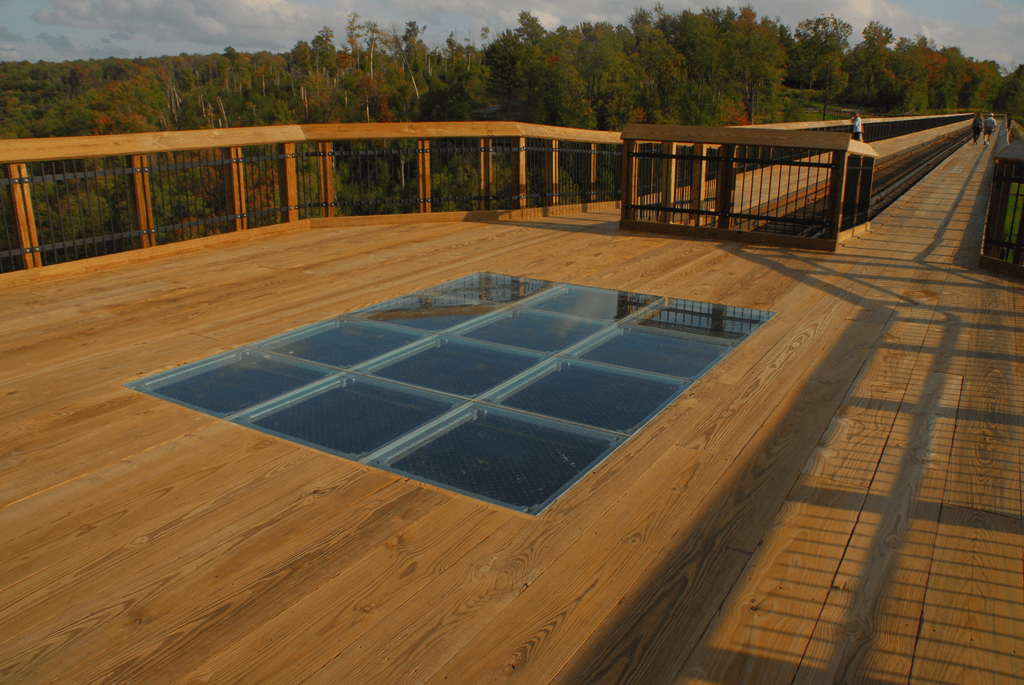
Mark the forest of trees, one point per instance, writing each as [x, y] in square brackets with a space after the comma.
[721, 66]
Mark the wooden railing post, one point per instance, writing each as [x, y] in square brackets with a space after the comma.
[834, 205]
[668, 181]
[234, 183]
[24, 216]
[726, 180]
[142, 199]
[423, 173]
[486, 173]
[628, 178]
[288, 182]
[551, 170]
[326, 176]
[698, 177]
[519, 174]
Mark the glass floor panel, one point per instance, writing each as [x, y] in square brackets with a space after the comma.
[340, 343]
[704, 318]
[535, 331]
[352, 416]
[459, 367]
[515, 461]
[592, 303]
[455, 302]
[426, 313]
[232, 382]
[484, 287]
[682, 357]
[531, 384]
[584, 393]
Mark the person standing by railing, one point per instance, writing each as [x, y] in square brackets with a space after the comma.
[976, 126]
[857, 129]
[990, 126]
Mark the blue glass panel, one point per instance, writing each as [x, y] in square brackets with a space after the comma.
[535, 331]
[459, 367]
[426, 313]
[518, 462]
[593, 303]
[487, 287]
[594, 396]
[703, 318]
[340, 343]
[657, 353]
[243, 379]
[354, 418]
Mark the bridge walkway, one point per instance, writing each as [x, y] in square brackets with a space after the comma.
[838, 501]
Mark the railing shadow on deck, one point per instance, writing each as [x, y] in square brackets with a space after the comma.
[663, 629]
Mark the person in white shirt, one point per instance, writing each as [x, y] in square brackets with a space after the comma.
[857, 131]
[990, 127]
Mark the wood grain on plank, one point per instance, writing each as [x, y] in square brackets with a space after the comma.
[869, 623]
[765, 623]
[299, 641]
[972, 626]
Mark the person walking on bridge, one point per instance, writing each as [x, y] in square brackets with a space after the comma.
[976, 127]
[990, 126]
[856, 129]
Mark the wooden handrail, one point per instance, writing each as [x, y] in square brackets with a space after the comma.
[804, 125]
[24, 150]
[801, 140]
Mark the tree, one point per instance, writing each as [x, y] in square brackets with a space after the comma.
[871, 60]
[324, 52]
[824, 41]
[757, 59]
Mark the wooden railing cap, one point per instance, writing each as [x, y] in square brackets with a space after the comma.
[804, 140]
[1014, 152]
[22, 150]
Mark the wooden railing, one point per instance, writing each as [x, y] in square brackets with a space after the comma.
[875, 129]
[69, 198]
[799, 188]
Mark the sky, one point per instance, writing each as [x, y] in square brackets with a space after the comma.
[58, 30]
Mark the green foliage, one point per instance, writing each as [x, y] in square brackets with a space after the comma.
[824, 42]
[719, 66]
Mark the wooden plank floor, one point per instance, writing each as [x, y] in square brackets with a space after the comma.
[838, 501]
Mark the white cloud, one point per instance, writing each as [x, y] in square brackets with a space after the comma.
[210, 23]
[8, 37]
[61, 44]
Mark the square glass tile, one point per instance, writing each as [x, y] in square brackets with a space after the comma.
[352, 416]
[703, 318]
[517, 461]
[592, 303]
[459, 367]
[339, 342]
[485, 287]
[234, 381]
[679, 356]
[535, 330]
[602, 397]
[426, 312]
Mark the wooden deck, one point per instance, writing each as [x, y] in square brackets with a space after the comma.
[838, 501]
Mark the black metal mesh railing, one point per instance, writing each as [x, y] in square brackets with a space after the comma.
[1004, 239]
[741, 187]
